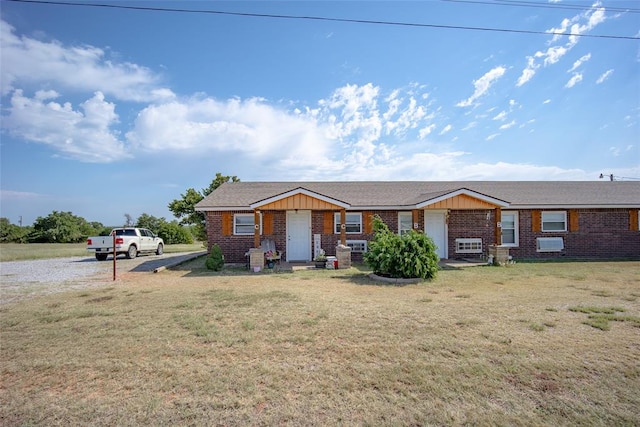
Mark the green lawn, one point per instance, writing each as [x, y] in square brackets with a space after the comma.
[27, 251]
[480, 346]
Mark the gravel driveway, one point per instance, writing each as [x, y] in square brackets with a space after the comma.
[23, 279]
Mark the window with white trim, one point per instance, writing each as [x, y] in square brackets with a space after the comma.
[405, 222]
[353, 223]
[469, 245]
[549, 244]
[244, 224]
[554, 221]
[357, 245]
[510, 228]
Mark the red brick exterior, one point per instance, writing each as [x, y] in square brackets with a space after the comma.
[601, 234]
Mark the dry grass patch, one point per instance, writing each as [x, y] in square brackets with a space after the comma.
[327, 347]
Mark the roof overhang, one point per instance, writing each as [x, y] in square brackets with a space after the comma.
[463, 192]
[567, 206]
[300, 192]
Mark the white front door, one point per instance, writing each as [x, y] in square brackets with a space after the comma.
[298, 235]
[435, 226]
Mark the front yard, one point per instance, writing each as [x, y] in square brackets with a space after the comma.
[485, 345]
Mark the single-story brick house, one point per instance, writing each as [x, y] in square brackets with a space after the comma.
[535, 219]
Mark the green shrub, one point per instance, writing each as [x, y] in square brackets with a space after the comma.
[412, 255]
[215, 260]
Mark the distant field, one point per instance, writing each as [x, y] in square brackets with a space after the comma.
[27, 251]
[524, 345]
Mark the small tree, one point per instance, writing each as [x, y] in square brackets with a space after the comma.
[412, 255]
[215, 260]
[128, 220]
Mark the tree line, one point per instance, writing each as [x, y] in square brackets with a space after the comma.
[65, 227]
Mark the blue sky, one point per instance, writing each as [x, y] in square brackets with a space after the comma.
[107, 111]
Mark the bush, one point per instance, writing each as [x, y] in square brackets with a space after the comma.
[412, 255]
[215, 260]
[174, 234]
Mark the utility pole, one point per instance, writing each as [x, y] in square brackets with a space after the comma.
[20, 221]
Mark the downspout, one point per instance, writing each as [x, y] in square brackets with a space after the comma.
[256, 228]
[343, 227]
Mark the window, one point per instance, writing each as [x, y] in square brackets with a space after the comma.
[357, 245]
[405, 222]
[469, 246]
[510, 228]
[353, 223]
[243, 224]
[549, 244]
[554, 221]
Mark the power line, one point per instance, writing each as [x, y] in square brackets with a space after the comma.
[562, 6]
[321, 18]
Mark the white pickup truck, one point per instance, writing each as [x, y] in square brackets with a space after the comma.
[129, 241]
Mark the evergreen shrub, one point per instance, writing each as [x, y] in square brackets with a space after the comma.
[215, 260]
[412, 255]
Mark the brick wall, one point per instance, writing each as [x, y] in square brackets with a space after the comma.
[476, 223]
[602, 233]
[233, 248]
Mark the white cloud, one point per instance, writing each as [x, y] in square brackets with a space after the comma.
[27, 61]
[604, 76]
[482, 85]
[424, 132]
[470, 125]
[575, 79]
[9, 195]
[348, 125]
[502, 115]
[249, 128]
[528, 72]
[579, 62]
[446, 129]
[547, 101]
[83, 134]
[577, 25]
[492, 136]
[508, 125]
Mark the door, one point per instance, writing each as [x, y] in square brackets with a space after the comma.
[146, 240]
[298, 235]
[435, 226]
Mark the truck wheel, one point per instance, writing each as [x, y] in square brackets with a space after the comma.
[132, 252]
[101, 257]
[160, 249]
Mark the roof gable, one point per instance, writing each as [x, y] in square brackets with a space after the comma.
[462, 199]
[299, 198]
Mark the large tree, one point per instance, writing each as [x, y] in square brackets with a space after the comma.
[184, 208]
[63, 227]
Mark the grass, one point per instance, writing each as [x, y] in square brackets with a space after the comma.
[30, 251]
[191, 347]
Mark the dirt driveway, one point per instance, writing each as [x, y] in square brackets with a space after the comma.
[24, 279]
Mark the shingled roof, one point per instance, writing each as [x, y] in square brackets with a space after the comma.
[408, 194]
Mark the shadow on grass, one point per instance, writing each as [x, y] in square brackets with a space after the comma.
[358, 274]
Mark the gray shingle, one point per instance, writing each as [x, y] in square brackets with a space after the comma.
[394, 194]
